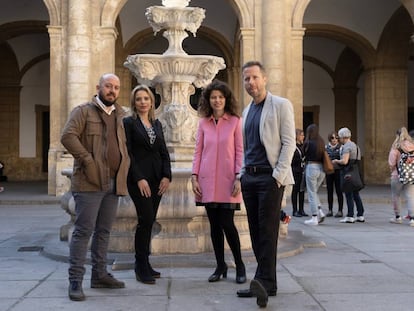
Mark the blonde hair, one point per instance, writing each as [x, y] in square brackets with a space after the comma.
[151, 112]
[401, 136]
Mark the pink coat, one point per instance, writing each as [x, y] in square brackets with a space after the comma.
[218, 158]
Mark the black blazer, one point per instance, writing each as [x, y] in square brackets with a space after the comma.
[150, 162]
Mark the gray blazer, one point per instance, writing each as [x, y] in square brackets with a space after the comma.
[277, 134]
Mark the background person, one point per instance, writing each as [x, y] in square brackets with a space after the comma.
[314, 148]
[149, 174]
[402, 143]
[334, 180]
[350, 151]
[298, 166]
[95, 136]
[269, 144]
[396, 187]
[217, 162]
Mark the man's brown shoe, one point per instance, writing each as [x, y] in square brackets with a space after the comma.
[108, 281]
[75, 291]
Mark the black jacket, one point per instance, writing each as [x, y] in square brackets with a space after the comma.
[150, 162]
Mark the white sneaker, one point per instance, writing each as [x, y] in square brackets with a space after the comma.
[321, 215]
[412, 222]
[313, 221]
[348, 220]
[360, 219]
[396, 220]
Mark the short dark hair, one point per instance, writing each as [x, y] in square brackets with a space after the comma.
[254, 63]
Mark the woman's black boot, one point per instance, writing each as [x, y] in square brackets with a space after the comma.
[143, 274]
[155, 274]
[240, 274]
[220, 270]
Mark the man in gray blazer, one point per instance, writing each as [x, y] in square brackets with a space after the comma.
[269, 145]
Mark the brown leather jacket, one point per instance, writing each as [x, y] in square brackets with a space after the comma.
[84, 137]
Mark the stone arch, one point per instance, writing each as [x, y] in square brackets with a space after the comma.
[137, 41]
[15, 29]
[10, 73]
[394, 44]
[347, 72]
[320, 64]
[110, 12]
[243, 12]
[299, 12]
[33, 62]
[409, 6]
[356, 42]
[220, 41]
[53, 9]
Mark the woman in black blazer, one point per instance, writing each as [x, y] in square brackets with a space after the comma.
[149, 174]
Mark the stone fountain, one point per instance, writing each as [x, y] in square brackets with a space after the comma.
[181, 226]
[174, 75]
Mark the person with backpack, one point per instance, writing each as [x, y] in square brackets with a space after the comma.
[401, 163]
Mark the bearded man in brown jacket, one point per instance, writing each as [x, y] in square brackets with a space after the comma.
[95, 136]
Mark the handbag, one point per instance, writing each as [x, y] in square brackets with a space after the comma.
[328, 167]
[302, 186]
[351, 176]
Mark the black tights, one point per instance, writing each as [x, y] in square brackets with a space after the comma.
[222, 220]
[331, 181]
[296, 193]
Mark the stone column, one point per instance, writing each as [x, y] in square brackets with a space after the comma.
[295, 76]
[78, 52]
[57, 115]
[103, 50]
[274, 45]
[346, 109]
[385, 112]
[247, 49]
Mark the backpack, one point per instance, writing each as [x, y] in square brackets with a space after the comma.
[405, 167]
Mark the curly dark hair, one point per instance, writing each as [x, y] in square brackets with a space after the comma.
[204, 108]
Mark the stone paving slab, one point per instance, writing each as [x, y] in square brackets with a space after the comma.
[331, 267]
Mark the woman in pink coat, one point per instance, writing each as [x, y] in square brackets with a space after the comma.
[216, 165]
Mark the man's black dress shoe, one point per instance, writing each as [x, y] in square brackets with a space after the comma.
[296, 214]
[247, 293]
[260, 292]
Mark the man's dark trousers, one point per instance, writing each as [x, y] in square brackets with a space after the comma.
[262, 198]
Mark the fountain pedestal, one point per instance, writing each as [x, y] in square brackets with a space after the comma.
[174, 75]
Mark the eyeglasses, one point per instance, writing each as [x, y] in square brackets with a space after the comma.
[334, 137]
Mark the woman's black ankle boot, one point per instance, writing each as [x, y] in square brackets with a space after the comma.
[220, 270]
[142, 274]
[240, 274]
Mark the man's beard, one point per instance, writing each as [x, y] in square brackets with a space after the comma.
[107, 103]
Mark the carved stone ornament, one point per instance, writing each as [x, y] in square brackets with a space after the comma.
[175, 3]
